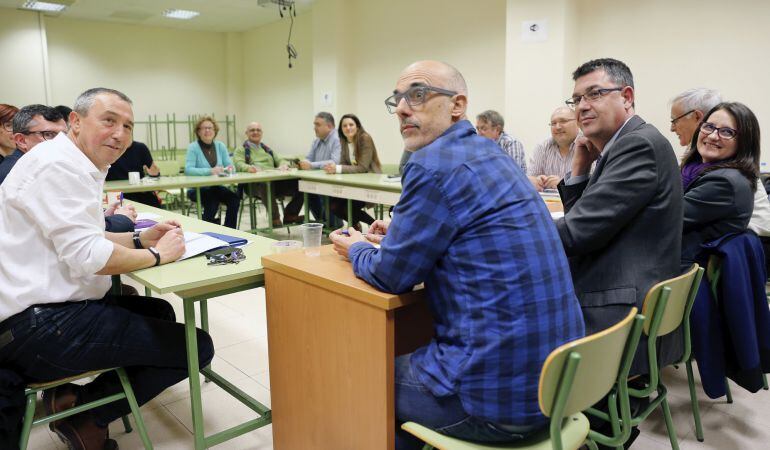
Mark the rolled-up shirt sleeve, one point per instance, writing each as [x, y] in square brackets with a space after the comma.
[66, 208]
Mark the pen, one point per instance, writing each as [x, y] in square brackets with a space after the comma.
[121, 199]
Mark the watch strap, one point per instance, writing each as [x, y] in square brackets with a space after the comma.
[156, 254]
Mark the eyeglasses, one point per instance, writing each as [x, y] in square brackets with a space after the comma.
[8, 126]
[560, 122]
[233, 256]
[46, 134]
[205, 128]
[725, 132]
[673, 121]
[590, 96]
[415, 95]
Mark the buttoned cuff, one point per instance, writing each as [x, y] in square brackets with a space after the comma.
[569, 180]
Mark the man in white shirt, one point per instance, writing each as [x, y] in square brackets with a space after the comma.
[57, 318]
[552, 158]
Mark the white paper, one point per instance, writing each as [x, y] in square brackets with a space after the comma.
[147, 216]
[196, 243]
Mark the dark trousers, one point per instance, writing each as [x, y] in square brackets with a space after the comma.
[139, 334]
[146, 198]
[282, 188]
[316, 206]
[339, 207]
[211, 197]
[414, 402]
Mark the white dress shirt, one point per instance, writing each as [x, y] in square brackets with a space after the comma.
[760, 218]
[52, 229]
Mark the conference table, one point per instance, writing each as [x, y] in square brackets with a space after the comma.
[195, 282]
[167, 183]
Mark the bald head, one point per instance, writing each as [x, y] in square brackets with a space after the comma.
[254, 132]
[444, 75]
[434, 97]
[564, 127]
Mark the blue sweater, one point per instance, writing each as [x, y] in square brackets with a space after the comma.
[197, 164]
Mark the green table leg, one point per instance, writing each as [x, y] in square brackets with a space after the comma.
[117, 287]
[307, 207]
[147, 292]
[191, 340]
[269, 205]
[198, 198]
[204, 306]
[252, 212]
[350, 213]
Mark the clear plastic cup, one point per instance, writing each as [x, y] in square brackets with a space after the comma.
[311, 238]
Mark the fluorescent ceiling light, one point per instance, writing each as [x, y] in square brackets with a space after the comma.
[43, 6]
[180, 14]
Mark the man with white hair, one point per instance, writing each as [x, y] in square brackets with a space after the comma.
[57, 317]
[687, 111]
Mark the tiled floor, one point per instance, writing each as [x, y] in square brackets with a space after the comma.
[238, 326]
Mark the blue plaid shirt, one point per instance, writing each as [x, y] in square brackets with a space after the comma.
[470, 225]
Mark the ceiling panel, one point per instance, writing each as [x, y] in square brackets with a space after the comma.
[218, 15]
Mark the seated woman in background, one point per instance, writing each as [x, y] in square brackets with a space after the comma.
[7, 144]
[719, 177]
[209, 157]
[353, 137]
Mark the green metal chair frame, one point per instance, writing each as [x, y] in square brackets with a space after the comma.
[31, 394]
[667, 305]
[573, 377]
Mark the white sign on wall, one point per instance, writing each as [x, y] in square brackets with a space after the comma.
[326, 99]
[534, 30]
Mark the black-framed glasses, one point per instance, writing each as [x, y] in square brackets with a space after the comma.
[232, 255]
[415, 95]
[673, 121]
[590, 96]
[724, 132]
[45, 134]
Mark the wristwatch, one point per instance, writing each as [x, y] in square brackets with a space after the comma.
[137, 241]
[156, 254]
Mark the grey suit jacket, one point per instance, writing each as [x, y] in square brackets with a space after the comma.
[716, 203]
[622, 229]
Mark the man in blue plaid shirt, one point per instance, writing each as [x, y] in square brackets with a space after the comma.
[471, 227]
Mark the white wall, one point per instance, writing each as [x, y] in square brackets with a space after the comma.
[355, 49]
[278, 97]
[23, 53]
[671, 46]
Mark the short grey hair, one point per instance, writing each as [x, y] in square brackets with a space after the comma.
[701, 99]
[26, 115]
[85, 100]
[326, 117]
[493, 118]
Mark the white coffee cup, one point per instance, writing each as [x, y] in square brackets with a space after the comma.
[133, 178]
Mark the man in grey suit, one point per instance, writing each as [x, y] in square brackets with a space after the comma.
[622, 228]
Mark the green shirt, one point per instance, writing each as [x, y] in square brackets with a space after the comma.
[259, 158]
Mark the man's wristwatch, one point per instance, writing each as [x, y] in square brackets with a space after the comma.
[137, 241]
[156, 254]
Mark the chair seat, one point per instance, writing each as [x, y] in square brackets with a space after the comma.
[49, 384]
[573, 435]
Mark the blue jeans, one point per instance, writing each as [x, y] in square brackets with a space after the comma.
[415, 403]
[316, 204]
[59, 340]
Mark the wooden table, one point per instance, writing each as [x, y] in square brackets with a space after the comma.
[332, 341]
[195, 282]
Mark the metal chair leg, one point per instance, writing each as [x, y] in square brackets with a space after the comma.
[29, 416]
[127, 424]
[140, 427]
[694, 402]
[727, 391]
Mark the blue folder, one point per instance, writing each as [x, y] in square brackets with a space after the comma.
[231, 240]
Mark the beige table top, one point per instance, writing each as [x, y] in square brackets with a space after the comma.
[185, 181]
[193, 276]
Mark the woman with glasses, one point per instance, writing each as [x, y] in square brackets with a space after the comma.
[353, 137]
[206, 156]
[719, 176]
[7, 146]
